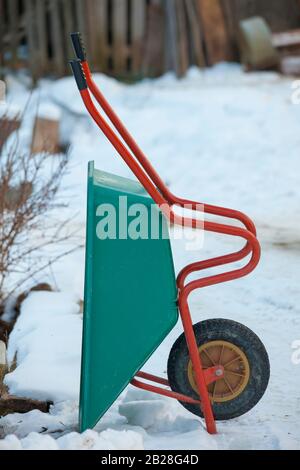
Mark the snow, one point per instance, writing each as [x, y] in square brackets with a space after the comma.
[62, 326]
[219, 136]
[49, 111]
[9, 112]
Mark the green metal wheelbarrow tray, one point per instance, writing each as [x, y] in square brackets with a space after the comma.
[217, 369]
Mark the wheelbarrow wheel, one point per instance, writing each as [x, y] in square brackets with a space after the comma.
[245, 361]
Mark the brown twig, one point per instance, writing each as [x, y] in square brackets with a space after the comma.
[28, 194]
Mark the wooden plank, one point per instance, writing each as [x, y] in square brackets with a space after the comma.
[13, 29]
[154, 49]
[231, 21]
[230, 12]
[69, 25]
[59, 59]
[286, 39]
[80, 6]
[42, 40]
[214, 30]
[138, 29]
[8, 126]
[177, 45]
[182, 38]
[195, 32]
[119, 36]
[45, 137]
[22, 28]
[2, 32]
[97, 37]
[172, 60]
[33, 55]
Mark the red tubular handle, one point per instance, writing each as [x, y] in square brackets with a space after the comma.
[122, 149]
[145, 163]
[252, 242]
[170, 198]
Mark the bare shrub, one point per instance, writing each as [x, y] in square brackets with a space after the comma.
[31, 237]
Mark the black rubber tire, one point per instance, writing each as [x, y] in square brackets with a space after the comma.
[240, 336]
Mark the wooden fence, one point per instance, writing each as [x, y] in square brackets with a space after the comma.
[36, 33]
[130, 38]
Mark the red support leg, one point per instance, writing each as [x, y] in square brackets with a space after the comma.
[197, 365]
[211, 375]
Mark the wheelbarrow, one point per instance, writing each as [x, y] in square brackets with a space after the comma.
[217, 369]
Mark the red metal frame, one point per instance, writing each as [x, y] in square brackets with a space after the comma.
[153, 184]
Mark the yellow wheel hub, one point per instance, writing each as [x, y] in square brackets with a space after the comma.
[236, 370]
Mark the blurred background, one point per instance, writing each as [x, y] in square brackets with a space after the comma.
[131, 39]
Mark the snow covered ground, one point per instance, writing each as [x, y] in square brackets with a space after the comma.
[219, 136]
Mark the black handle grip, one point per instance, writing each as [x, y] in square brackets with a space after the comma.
[78, 74]
[78, 46]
